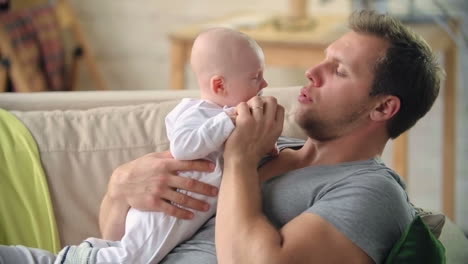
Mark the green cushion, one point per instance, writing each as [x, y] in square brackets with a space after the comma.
[26, 213]
[417, 245]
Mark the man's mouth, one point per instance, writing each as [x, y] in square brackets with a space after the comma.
[304, 96]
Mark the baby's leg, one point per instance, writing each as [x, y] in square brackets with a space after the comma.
[160, 232]
[25, 255]
[82, 254]
[101, 243]
[149, 236]
[85, 252]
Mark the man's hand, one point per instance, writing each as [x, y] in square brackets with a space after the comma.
[150, 183]
[258, 125]
[274, 152]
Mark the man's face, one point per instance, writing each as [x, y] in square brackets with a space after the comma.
[336, 101]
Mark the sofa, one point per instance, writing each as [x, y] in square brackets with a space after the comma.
[83, 136]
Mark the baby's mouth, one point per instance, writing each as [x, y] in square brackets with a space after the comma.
[260, 93]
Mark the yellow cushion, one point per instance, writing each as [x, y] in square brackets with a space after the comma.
[27, 217]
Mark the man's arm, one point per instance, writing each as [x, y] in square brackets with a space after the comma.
[308, 238]
[112, 214]
[149, 183]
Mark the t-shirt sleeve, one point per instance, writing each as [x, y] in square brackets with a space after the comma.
[372, 210]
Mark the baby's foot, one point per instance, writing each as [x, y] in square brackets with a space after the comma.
[84, 253]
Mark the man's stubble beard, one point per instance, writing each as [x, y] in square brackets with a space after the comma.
[321, 128]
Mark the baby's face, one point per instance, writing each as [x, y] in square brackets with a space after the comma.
[246, 81]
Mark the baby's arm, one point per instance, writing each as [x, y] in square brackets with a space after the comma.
[198, 132]
[275, 167]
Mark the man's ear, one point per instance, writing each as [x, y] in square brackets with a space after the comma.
[217, 85]
[387, 107]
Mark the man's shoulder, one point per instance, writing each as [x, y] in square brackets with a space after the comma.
[375, 172]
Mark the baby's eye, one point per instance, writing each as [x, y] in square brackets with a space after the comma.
[340, 73]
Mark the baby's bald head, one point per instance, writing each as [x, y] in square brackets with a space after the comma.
[221, 51]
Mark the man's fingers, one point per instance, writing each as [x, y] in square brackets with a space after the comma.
[255, 101]
[174, 210]
[186, 201]
[190, 165]
[192, 185]
[280, 114]
[161, 155]
[243, 109]
[270, 106]
[257, 107]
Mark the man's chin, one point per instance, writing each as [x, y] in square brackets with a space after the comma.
[313, 129]
[301, 117]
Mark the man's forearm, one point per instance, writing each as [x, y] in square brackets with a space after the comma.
[112, 217]
[243, 233]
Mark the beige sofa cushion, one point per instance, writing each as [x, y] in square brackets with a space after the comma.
[80, 148]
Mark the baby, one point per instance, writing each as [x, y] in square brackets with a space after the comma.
[229, 69]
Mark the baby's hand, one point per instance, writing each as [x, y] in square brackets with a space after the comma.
[232, 113]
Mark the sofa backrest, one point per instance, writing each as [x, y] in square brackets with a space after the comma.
[83, 136]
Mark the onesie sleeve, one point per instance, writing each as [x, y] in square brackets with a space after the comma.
[198, 131]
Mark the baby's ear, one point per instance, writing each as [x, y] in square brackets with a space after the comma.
[217, 85]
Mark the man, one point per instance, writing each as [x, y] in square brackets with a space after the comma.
[375, 83]
[330, 200]
[335, 201]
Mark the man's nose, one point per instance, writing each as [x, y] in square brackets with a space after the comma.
[313, 74]
[264, 84]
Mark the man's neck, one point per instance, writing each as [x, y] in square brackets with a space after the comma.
[352, 147]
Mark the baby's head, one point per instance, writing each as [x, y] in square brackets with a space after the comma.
[228, 66]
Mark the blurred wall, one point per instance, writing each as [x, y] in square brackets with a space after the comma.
[130, 37]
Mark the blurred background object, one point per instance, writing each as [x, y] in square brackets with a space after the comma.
[33, 50]
[4, 5]
[296, 17]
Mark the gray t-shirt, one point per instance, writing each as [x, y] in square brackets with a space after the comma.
[365, 200]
